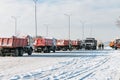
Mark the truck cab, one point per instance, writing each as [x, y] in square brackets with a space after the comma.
[117, 44]
[90, 43]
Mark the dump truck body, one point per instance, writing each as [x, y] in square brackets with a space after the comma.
[44, 45]
[62, 44]
[12, 42]
[76, 44]
[15, 46]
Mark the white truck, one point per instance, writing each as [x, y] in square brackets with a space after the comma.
[90, 43]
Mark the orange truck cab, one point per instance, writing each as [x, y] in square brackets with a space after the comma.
[112, 44]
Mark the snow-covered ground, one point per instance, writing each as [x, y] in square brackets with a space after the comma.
[74, 65]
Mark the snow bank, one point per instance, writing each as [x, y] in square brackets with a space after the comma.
[108, 47]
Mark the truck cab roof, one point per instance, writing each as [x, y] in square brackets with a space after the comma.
[90, 38]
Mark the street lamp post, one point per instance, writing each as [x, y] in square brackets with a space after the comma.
[47, 30]
[91, 31]
[68, 28]
[35, 2]
[82, 33]
[82, 29]
[46, 25]
[15, 18]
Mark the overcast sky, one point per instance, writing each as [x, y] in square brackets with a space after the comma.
[99, 17]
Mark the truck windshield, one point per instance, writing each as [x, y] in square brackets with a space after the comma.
[118, 40]
[88, 40]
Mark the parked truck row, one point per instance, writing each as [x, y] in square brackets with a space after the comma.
[17, 46]
[48, 45]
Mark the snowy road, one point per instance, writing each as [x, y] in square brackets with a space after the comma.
[74, 65]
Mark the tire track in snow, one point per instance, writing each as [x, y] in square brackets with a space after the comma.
[66, 70]
[40, 75]
[69, 69]
[84, 70]
[94, 68]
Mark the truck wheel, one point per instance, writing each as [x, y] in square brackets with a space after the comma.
[64, 49]
[0, 52]
[3, 54]
[45, 50]
[94, 48]
[115, 48]
[86, 48]
[29, 52]
[20, 52]
[16, 53]
[70, 49]
[39, 50]
[53, 50]
[48, 50]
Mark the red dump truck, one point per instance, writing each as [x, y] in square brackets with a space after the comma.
[15, 46]
[116, 44]
[76, 44]
[45, 45]
[62, 44]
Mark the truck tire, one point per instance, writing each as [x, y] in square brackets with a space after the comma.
[16, 53]
[45, 50]
[48, 51]
[53, 49]
[64, 49]
[29, 51]
[20, 52]
[39, 51]
[0, 52]
[94, 48]
[86, 48]
[115, 48]
[70, 49]
[3, 54]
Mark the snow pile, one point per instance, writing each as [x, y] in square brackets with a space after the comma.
[108, 47]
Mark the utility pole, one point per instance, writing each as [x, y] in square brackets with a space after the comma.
[91, 32]
[46, 25]
[35, 2]
[15, 18]
[47, 30]
[68, 28]
[82, 29]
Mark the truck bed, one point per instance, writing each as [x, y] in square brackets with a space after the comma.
[12, 42]
[41, 42]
